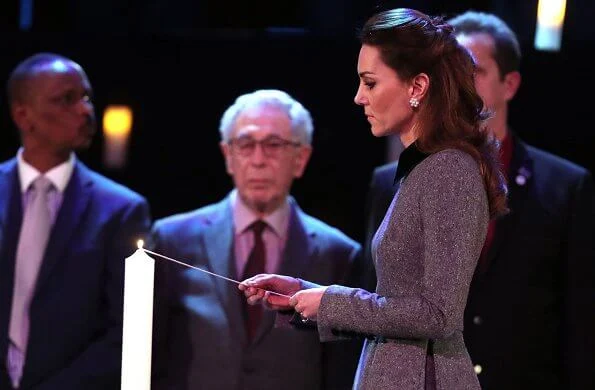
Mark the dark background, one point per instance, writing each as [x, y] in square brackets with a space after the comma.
[180, 63]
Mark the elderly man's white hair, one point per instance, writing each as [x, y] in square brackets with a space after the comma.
[301, 120]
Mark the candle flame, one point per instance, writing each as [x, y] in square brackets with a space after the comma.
[140, 244]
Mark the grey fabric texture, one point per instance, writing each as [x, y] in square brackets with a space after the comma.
[425, 252]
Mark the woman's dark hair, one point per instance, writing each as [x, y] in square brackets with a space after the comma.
[451, 114]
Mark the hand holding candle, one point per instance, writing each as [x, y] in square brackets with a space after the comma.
[272, 290]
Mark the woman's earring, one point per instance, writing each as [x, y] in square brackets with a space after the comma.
[413, 102]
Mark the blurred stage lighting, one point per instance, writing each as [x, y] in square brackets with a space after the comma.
[550, 20]
[117, 126]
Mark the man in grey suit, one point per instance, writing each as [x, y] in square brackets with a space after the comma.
[207, 337]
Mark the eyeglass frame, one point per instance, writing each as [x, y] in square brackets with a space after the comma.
[252, 143]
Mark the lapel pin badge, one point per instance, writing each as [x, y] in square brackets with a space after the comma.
[523, 175]
[520, 180]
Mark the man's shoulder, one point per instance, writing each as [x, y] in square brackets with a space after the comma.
[386, 170]
[330, 233]
[383, 177]
[109, 189]
[556, 165]
[194, 219]
[7, 165]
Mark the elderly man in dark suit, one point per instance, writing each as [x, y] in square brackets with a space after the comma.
[64, 232]
[530, 316]
[212, 339]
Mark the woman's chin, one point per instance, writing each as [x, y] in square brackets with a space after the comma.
[379, 131]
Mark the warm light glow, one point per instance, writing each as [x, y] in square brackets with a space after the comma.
[117, 121]
[117, 126]
[551, 12]
[140, 244]
[550, 18]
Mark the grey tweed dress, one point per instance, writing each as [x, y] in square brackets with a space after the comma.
[425, 253]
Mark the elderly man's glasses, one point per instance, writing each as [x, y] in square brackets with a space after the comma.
[271, 146]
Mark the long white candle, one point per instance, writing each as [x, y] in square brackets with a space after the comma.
[138, 321]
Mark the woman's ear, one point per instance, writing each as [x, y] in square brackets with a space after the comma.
[419, 86]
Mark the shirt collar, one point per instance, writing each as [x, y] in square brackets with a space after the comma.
[410, 157]
[58, 175]
[505, 155]
[243, 216]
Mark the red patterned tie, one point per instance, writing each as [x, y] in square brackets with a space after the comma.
[255, 266]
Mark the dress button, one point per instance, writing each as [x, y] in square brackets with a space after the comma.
[477, 368]
[477, 320]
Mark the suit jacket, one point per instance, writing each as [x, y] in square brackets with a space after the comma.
[425, 253]
[203, 341]
[529, 319]
[75, 333]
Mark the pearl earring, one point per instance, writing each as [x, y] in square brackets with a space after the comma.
[414, 102]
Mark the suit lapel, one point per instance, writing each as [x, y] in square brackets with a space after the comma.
[300, 250]
[11, 215]
[9, 187]
[519, 181]
[300, 246]
[74, 203]
[220, 252]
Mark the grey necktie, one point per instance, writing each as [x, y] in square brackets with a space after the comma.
[35, 232]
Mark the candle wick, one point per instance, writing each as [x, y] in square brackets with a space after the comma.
[205, 271]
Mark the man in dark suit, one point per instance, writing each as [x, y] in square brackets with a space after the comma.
[63, 242]
[530, 316]
[213, 338]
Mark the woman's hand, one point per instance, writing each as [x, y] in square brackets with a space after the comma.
[307, 302]
[261, 289]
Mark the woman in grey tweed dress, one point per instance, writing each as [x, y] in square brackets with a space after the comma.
[417, 82]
